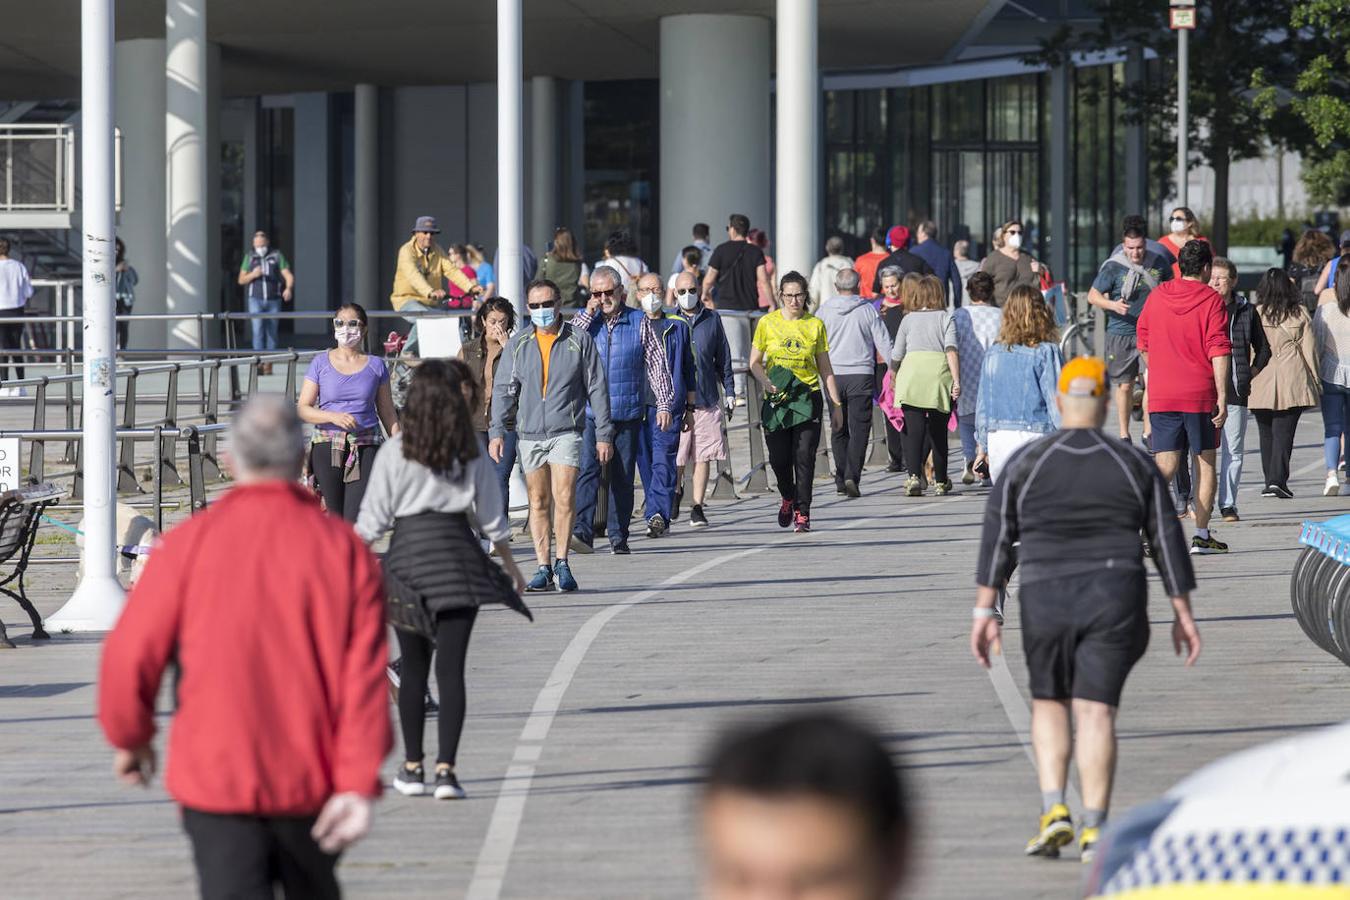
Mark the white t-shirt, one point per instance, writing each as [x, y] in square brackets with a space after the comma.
[15, 288]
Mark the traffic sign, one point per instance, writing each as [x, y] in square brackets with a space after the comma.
[1182, 17]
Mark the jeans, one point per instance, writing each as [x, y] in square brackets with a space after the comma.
[510, 440]
[1335, 422]
[1231, 447]
[926, 430]
[792, 456]
[969, 447]
[849, 444]
[1276, 430]
[620, 469]
[264, 330]
[656, 465]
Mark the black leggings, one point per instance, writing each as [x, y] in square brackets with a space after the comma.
[925, 430]
[792, 456]
[1276, 428]
[11, 338]
[452, 646]
[341, 498]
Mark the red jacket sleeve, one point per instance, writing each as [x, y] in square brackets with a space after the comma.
[364, 735]
[1141, 327]
[1217, 342]
[136, 652]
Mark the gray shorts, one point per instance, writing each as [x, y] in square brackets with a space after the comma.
[560, 450]
[1123, 363]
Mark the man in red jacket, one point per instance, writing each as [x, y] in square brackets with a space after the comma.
[1183, 336]
[273, 612]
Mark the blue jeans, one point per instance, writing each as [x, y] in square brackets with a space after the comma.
[656, 465]
[1231, 447]
[1335, 422]
[966, 425]
[621, 471]
[264, 330]
[509, 442]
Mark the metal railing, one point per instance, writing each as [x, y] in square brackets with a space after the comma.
[38, 165]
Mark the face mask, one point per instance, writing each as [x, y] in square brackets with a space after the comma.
[261, 251]
[1014, 241]
[347, 337]
[1178, 226]
[688, 302]
[543, 318]
[652, 303]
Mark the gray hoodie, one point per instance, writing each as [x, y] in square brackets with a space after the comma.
[575, 376]
[855, 334]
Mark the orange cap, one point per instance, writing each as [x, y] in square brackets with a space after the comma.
[1080, 369]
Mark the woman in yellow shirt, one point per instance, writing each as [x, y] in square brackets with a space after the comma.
[790, 357]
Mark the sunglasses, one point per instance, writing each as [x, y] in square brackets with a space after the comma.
[1013, 231]
[545, 305]
[685, 292]
[1179, 219]
[609, 293]
[346, 323]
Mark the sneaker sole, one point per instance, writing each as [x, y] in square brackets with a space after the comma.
[577, 545]
[410, 789]
[1206, 551]
[1048, 843]
[698, 524]
[446, 793]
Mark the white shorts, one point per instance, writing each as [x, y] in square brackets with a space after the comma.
[1003, 444]
[559, 450]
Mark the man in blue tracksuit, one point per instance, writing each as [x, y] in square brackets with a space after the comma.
[704, 440]
[633, 356]
[657, 446]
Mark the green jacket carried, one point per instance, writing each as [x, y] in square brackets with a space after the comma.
[793, 404]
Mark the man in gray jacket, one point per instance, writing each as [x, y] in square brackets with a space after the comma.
[544, 379]
[855, 334]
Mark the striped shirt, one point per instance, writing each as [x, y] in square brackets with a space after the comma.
[1077, 501]
[654, 353]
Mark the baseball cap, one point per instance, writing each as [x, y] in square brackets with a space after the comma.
[1075, 372]
[427, 223]
[898, 236]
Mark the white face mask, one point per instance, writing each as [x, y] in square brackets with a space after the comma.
[261, 251]
[688, 302]
[347, 337]
[653, 303]
[1014, 241]
[1178, 226]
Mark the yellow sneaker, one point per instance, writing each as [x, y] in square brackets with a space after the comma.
[1087, 843]
[1056, 831]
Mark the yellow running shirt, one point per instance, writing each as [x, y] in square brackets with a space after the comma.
[792, 344]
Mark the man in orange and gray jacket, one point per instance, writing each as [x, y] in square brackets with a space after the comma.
[421, 267]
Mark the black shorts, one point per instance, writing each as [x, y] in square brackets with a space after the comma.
[1083, 633]
[1170, 427]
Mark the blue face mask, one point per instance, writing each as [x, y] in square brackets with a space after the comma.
[544, 318]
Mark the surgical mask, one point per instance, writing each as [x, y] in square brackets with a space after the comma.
[261, 251]
[1178, 226]
[347, 337]
[652, 303]
[688, 302]
[1013, 240]
[543, 318]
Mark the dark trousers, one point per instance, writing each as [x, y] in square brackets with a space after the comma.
[656, 465]
[11, 338]
[244, 857]
[926, 430]
[792, 456]
[451, 649]
[341, 498]
[510, 441]
[849, 444]
[895, 444]
[621, 470]
[123, 328]
[1276, 429]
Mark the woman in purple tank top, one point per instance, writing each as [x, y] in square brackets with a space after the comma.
[346, 397]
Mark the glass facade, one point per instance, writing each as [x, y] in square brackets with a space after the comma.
[971, 155]
[622, 159]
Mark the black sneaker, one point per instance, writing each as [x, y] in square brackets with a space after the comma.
[656, 526]
[1283, 492]
[894, 467]
[1204, 546]
[620, 549]
[410, 782]
[851, 489]
[447, 786]
[1230, 514]
[675, 508]
[785, 510]
[696, 517]
[1270, 491]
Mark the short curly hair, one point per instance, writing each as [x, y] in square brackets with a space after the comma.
[1027, 319]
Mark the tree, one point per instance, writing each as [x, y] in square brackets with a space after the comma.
[1233, 39]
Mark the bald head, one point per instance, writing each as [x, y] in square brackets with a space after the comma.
[685, 280]
[1078, 408]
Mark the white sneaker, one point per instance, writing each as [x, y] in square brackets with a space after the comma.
[7, 392]
[1333, 486]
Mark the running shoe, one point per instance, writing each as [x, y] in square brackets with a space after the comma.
[656, 526]
[968, 476]
[1283, 492]
[1333, 485]
[1087, 844]
[410, 782]
[785, 511]
[913, 486]
[696, 517]
[851, 489]
[801, 523]
[1056, 831]
[577, 545]
[620, 549]
[447, 786]
[563, 572]
[1205, 546]
[1270, 491]
[1230, 514]
[542, 580]
[943, 488]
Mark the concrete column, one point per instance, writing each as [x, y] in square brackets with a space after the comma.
[314, 206]
[715, 126]
[1061, 126]
[366, 199]
[510, 165]
[1136, 142]
[797, 211]
[545, 161]
[140, 117]
[185, 135]
[213, 331]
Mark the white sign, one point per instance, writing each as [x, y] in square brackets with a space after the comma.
[11, 474]
[438, 338]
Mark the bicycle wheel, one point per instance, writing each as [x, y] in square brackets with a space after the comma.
[1077, 340]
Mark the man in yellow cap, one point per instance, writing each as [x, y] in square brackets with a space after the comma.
[1077, 501]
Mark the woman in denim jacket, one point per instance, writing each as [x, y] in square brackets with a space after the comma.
[1016, 401]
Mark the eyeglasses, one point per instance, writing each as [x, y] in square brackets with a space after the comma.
[609, 293]
[795, 296]
[685, 292]
[545, 305]
[346, 323]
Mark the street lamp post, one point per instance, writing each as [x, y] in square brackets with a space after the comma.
[1182, 21]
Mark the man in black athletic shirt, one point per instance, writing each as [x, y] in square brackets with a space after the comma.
[1077, 501]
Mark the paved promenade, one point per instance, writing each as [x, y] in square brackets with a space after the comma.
[585, 728]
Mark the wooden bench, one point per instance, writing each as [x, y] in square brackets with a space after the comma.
[20, 513]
